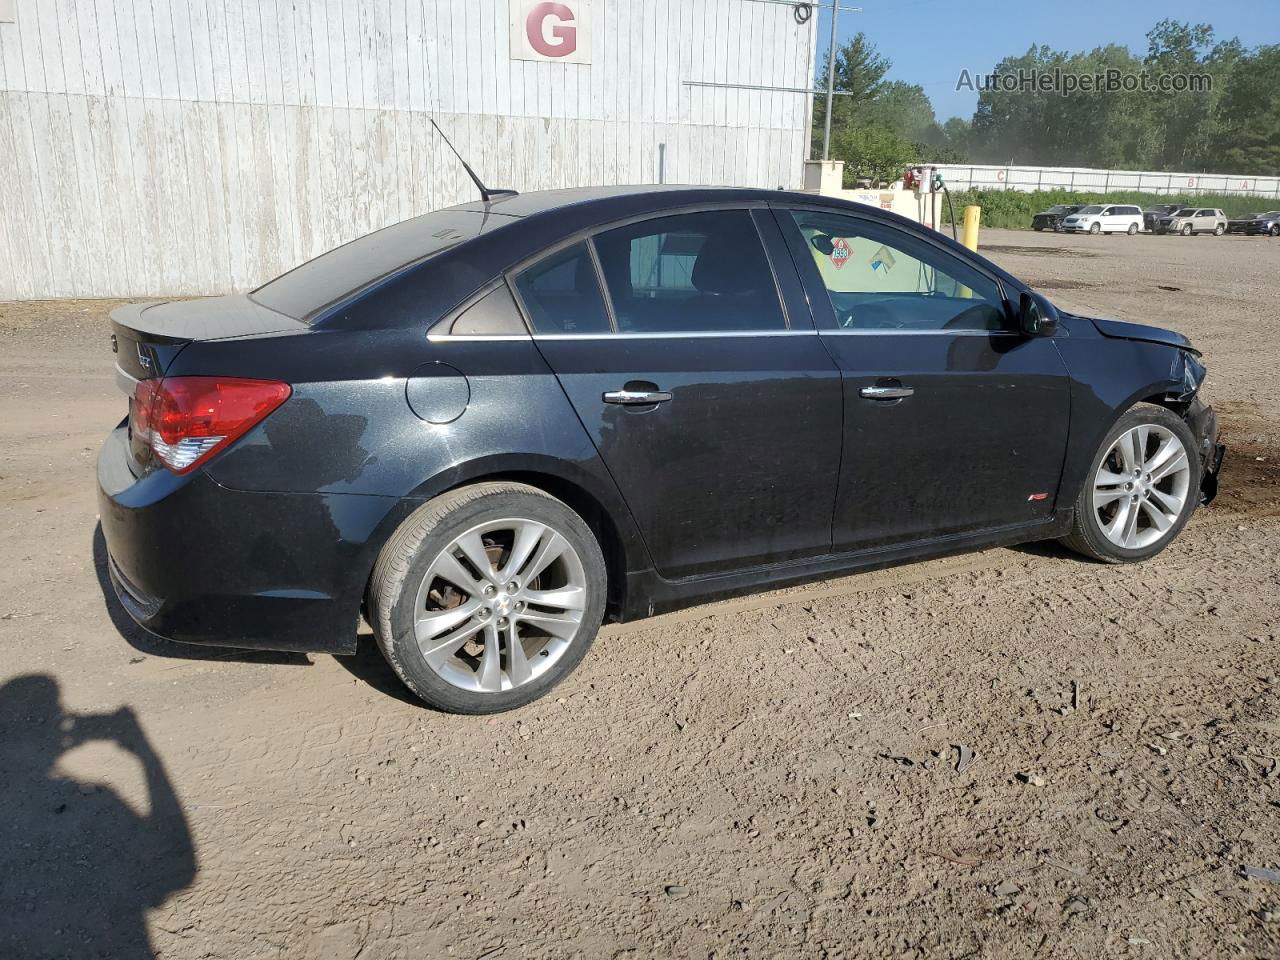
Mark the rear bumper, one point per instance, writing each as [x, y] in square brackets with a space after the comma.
[197, 562]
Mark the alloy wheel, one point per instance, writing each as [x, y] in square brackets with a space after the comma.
[1141, 486]
[500, 605]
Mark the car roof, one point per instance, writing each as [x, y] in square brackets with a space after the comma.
[546, 201]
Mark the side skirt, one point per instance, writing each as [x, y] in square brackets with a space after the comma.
[648, 594]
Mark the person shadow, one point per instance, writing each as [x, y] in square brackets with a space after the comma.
[78, 865]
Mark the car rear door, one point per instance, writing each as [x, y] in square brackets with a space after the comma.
[954, 423]
[699, 376]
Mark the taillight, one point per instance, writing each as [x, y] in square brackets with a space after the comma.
[185, 420]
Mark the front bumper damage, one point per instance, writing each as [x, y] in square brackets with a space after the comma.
[1189, 373]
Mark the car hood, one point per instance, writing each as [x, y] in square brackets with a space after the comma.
[1120, 330]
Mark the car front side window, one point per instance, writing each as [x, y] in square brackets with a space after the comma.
[883, 278]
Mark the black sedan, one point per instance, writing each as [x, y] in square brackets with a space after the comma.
[1265, 224]
[492, 427]
[1052, 218]
[1152, 216]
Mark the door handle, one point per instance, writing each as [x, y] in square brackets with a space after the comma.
[886, 393]
[637, 398]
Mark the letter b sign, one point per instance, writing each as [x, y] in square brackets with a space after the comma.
[550, 30]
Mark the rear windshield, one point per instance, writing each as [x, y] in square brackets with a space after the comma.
[306, 290]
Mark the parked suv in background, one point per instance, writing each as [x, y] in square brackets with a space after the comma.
[1152, 216]
[1097, 218]
[1191, 220]
[1255, 223]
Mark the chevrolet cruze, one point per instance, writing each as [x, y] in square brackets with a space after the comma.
[488, 429]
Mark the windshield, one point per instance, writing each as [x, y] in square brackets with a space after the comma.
[307, 289]
[1185, 212]
[1093, 209]
[1059, 209]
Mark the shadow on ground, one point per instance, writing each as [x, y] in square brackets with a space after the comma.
[80, 867]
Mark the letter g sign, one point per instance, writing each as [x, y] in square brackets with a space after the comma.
[551, 31]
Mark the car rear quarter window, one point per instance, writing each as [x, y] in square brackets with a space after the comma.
[493, 315]
[882, 278]
[561, 294]
[700, 272]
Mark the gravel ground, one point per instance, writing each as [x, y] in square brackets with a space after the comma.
[1009, 753]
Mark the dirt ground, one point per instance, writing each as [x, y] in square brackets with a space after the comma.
[772, 777]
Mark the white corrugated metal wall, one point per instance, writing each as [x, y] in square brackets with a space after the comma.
[152, 147]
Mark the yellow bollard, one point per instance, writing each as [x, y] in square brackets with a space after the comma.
[972, 216]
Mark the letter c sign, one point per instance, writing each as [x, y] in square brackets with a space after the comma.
[551, 31]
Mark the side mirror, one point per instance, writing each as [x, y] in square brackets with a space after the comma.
[1036, 316]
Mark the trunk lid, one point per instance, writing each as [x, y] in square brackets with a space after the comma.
[147, 337]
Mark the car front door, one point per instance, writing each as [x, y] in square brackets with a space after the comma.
[699, 377]
[1112, 220]
[954, 422]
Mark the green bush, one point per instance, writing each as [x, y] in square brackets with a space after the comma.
[1014, 209]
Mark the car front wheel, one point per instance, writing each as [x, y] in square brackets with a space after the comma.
[1095, 228]
[1141, 489]
[1186, 230]
[487, 597]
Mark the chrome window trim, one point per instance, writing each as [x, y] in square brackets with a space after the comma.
[896, 332]
[676, 335]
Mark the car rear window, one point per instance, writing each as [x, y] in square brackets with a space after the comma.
[306, 290]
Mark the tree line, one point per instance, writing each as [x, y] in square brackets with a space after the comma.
[1233, 126]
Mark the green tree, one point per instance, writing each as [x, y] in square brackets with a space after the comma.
[1250, 116]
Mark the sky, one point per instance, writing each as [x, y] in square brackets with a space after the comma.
[931, 41]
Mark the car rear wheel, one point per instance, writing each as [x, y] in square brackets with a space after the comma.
[1095, 228]
[1275, 230]
[487, 597]
[1142, 487]
[1133, 228]
[1219, 230]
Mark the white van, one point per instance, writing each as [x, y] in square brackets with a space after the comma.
[1096, 218]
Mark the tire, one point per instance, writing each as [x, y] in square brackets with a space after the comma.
[1187, 231]
[1038, 229]
[1274, 231]
[1219, 230]
[1095, 228]
[1090, 537]
[476, 674]
[1133, 229]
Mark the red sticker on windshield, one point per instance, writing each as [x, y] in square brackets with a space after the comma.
[840, 252]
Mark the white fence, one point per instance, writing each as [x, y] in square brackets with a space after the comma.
[963, 176]
[184, 147]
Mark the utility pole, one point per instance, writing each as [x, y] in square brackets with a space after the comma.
[831, 81]
[831, 74]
